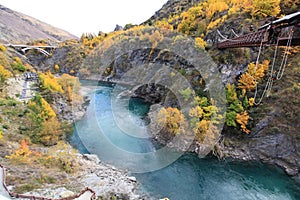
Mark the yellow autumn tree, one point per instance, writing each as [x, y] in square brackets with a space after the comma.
[258, 71]
[265, 8]
[249, 79]
[200, 43]
[2, 48]
[172, 120]
[205, 131]
[246, 82]
[163, 24]
[242, 119]
[251, 101]
[51, 132]
[4, 74]
[41, 108]
[47, 110]
[213, 6]
[70, 85]
[204, 117]
[48, 81]
[196, 112]
[191, 20]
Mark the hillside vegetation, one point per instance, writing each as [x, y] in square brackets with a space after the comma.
[33, 131]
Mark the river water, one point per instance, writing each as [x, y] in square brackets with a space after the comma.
[188, 178]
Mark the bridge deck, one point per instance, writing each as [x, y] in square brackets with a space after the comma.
[30, 46]
[237, 43]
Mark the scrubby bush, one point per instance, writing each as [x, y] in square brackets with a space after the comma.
[2, 48]
[4, 74]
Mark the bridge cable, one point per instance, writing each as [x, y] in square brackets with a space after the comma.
[272, 73]
[226, 39]
[285, 55]
[234, 33]
[222, 36]
[270, 80]
[269, 84]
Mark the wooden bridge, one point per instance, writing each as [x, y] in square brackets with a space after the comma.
[46, 50]
[273, 33]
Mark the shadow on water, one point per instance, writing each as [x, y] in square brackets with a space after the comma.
[189, 178]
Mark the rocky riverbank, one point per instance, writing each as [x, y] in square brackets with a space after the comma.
[104, 179]
[107, 181]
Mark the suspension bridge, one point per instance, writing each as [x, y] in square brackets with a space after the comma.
[273, 33]
[282, 32]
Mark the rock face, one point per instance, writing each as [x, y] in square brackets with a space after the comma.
[69, 112]
[106, 180]
[278, 148]
[68, 57]
[17, 27]
[147, 75]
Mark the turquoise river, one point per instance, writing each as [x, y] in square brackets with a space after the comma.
[188, 178]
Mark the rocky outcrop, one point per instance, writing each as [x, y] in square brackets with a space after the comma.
[106, 180]
[278, 149]
[66, 111]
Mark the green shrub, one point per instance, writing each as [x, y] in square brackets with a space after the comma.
[19, 67]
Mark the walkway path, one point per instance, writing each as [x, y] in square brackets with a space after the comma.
[23, 94]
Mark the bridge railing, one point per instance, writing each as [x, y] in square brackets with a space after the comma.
[248, 40]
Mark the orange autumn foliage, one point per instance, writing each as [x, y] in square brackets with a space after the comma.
[242, 119]
[21, 154]
[254, 73]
